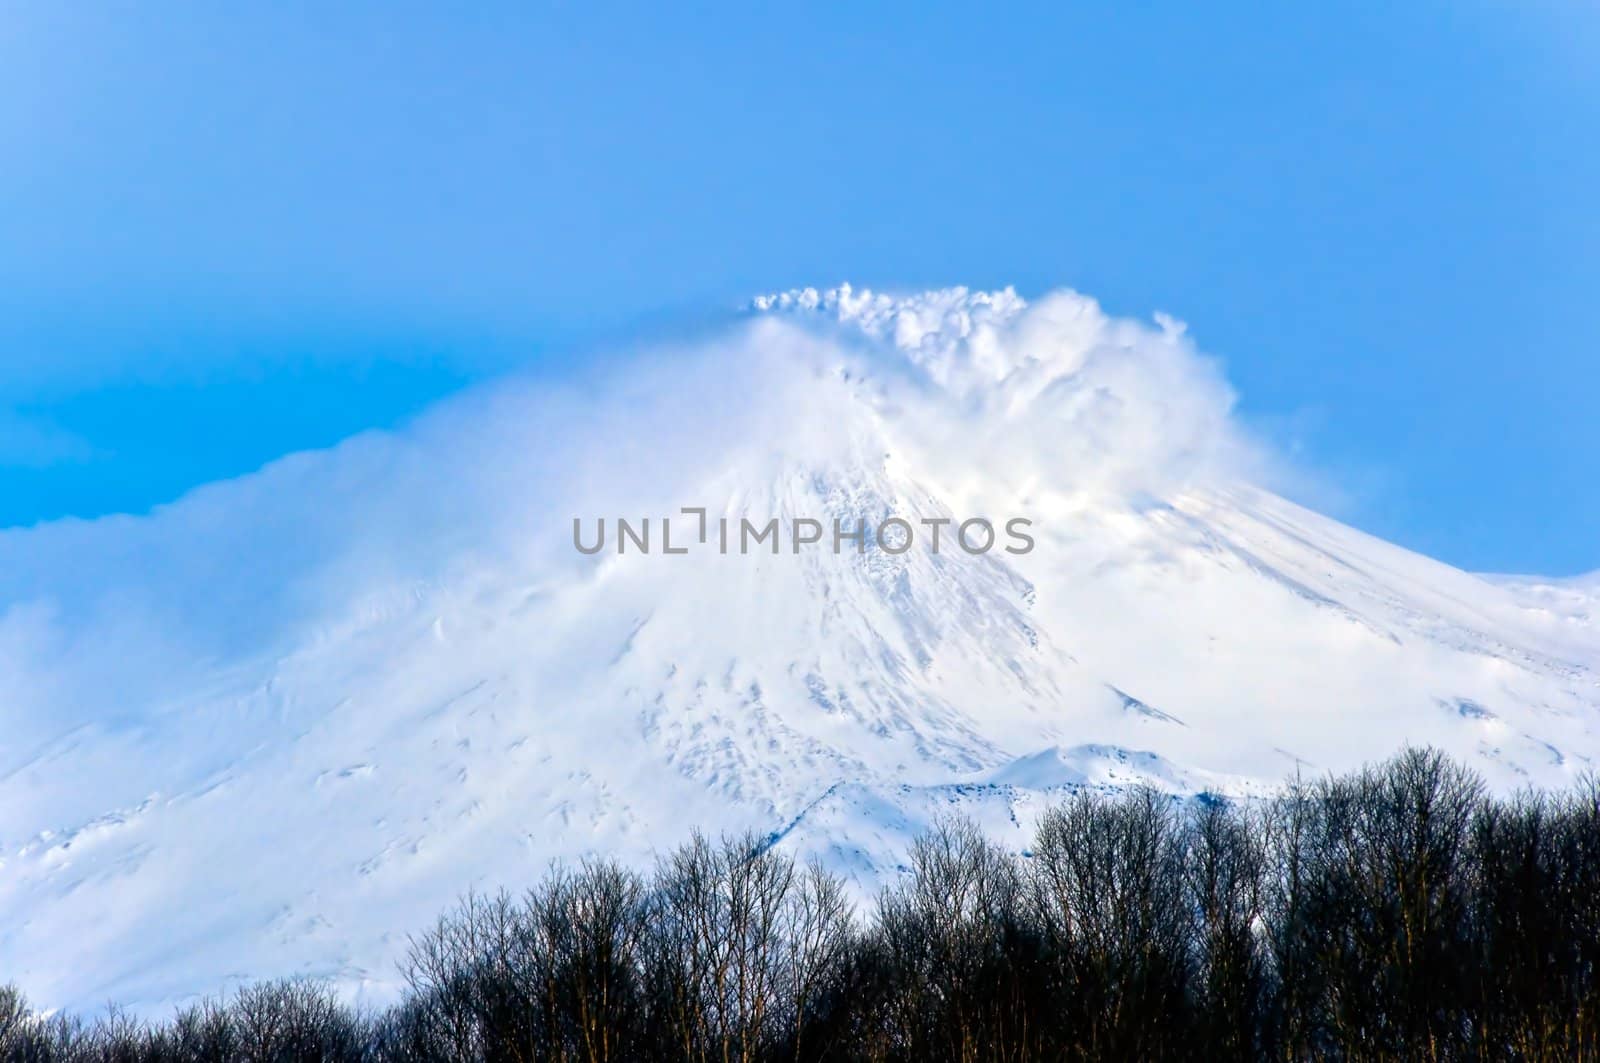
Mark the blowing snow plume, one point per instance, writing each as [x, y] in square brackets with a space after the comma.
[253, 732]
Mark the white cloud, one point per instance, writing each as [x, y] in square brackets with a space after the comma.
[1054, 391]
[994, 396]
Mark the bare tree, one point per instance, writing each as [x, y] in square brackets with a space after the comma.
[953, 955]
[1108, 886]
[1224, 870]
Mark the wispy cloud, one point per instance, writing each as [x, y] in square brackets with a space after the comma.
[31, 441]
[992, 398]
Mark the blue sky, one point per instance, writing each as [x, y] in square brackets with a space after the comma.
[226, 234]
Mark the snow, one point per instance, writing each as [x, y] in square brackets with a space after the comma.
[280, 724]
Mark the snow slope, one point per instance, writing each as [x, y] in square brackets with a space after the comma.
[278, 725]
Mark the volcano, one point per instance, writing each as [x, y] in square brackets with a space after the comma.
[274, 727]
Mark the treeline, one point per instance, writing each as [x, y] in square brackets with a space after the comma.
[1399, 913]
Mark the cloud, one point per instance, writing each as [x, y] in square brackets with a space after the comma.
[989, 398]
[1053, 392]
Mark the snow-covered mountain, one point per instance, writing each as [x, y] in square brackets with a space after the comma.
[274, 727]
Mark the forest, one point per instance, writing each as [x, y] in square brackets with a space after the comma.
[1402, 912]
